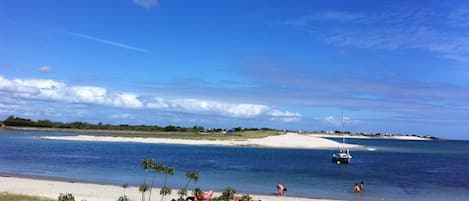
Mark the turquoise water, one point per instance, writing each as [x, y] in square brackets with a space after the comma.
[396, 170]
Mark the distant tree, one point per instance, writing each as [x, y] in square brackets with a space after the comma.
[170, 128]
[44, 123]
[17, 121]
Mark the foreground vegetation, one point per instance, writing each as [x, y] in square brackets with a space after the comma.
[17, 197]
[154, 173]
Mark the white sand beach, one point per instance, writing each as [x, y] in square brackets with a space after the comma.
[390, 137]
[97, 192]
[289, 140]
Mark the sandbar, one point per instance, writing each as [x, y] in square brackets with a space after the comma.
[288, 140]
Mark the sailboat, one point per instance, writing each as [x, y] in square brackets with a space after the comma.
[343, 156]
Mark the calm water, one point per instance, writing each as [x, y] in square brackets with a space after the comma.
[396, 170]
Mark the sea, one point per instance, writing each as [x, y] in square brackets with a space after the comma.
[390, 169]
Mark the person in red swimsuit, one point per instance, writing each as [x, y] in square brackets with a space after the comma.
[203, 196]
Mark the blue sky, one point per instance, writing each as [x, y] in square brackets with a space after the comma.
[390, 66]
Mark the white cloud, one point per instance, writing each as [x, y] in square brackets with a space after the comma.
[122, 116]
[147, 4]
[338, 121]
[285, 116]
[209, 107]
[243, 110]
[46, 69]
[126, 100]
[58, 91]
[41, 89]
[88, 95]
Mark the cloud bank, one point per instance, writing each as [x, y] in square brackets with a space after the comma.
[51, 90]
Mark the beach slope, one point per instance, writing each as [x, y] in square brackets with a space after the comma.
[90, 192]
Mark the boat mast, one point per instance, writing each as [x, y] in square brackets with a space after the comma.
[343, 131]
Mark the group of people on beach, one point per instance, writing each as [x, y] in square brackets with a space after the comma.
[199, 195]
[359, 187]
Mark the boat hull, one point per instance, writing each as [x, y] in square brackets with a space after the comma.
[340, 160]
[342, 157]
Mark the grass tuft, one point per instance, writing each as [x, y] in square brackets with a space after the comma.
[17, 197]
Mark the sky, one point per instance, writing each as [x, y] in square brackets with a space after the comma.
[389, 66]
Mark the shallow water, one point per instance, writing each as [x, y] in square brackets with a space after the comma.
[396, 170]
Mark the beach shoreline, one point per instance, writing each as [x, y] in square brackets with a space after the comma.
[381, 137]
[99, 132]
[51, 187]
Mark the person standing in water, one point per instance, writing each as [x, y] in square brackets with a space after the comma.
[281, 189]
[362, 186]
[357, 189]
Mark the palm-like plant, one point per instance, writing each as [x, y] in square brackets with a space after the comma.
[125, 187]
[146, 165]
[165, 191]
[156, 168]
[167, 171]
[191, 175]
[143, 188]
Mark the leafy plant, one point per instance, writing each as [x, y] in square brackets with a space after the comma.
[191, 175]
[156, 168]
[123, 198]
[227, 194]
[66, 197]
[143, 188]
[246, 198]
[166, 190]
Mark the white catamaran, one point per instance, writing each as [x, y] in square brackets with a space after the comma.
[343, 156]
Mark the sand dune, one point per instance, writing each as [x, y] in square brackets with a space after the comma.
[289, 140]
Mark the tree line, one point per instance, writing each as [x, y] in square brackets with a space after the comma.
[24, 122]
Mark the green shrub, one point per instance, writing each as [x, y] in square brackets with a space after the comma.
[227, 194]
[123, 198]
[66, 197]
[18, 197]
